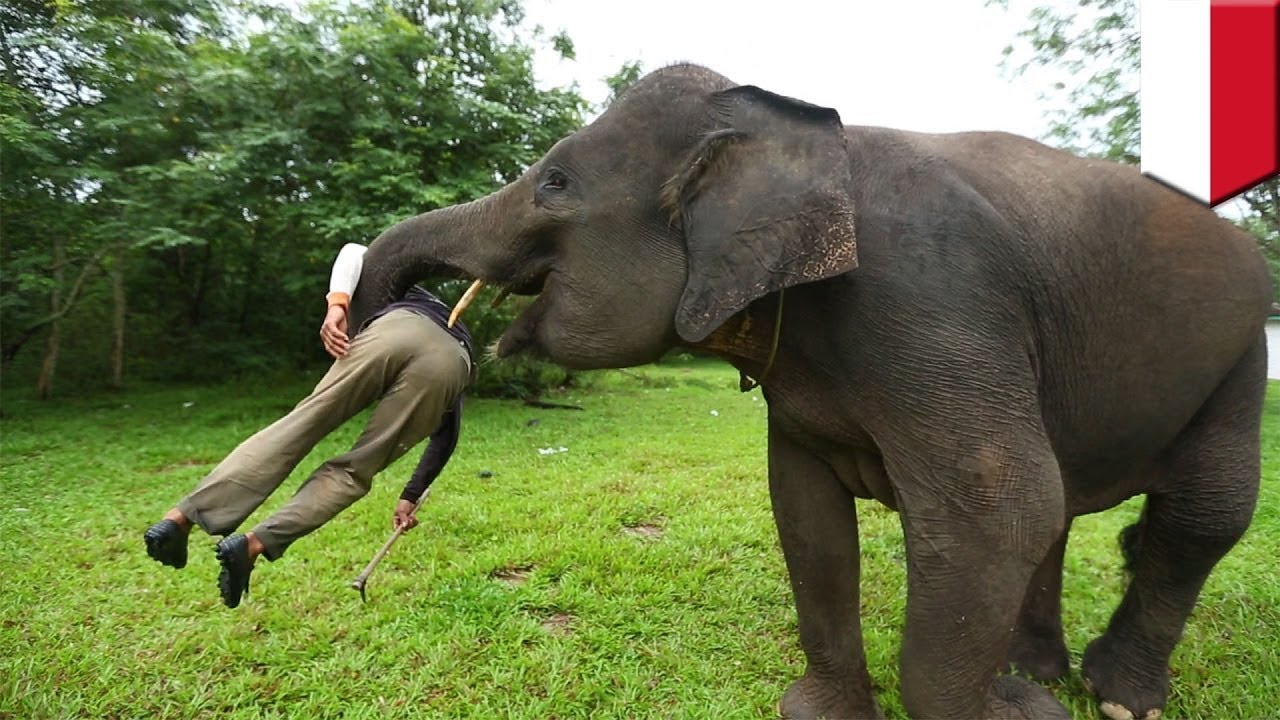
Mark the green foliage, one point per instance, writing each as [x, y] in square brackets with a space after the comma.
[523, 377]
[79, 80]
[230, 148]
[636, 575]
[1095, 48]
[563, 45]
[627, 75]
[1262, 219]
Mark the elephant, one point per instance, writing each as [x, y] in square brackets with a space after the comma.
[985, 334]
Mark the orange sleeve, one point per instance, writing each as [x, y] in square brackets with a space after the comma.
[338, 298]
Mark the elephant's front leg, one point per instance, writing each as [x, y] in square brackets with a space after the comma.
[818, 525]
[977, 523]
[1038, 649]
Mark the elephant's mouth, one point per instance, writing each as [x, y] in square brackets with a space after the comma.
[520, 335]
[529, 286]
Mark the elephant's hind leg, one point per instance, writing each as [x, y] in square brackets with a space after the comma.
[818, 526]
[1200, 508]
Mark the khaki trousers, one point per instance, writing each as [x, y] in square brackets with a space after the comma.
[408, 363]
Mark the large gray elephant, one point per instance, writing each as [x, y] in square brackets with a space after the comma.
[986, 334]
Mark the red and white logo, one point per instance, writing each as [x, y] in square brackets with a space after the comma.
[1210, 94]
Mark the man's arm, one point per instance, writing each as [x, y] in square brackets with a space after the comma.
[439, 448]
[343, 279]
[345, 274]
[436, 455]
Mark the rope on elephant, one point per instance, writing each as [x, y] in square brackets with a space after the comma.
[745, 383]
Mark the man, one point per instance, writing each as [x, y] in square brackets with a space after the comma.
[408, 360]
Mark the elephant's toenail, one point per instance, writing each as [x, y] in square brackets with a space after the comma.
[1116, 711]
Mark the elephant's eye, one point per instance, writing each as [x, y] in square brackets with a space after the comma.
[554, 180]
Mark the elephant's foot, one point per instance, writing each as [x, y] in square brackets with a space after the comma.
[1013, 698]
[1125, 688]
[809, 697]
[1039, 658]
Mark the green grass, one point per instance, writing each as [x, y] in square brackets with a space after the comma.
[636, 575]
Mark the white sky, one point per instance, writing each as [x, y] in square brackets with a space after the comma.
[928, 65]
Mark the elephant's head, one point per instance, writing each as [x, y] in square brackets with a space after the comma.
[685, 201]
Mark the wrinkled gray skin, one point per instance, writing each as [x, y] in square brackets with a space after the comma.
[986, 334]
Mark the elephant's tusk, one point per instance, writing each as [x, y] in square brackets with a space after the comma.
[502, 296]
[467, 297]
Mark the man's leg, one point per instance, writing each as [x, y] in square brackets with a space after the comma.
[251, 472]
[246, 477]
[434, 372]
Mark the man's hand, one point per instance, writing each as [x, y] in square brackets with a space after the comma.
[333, 331]
[404, 516]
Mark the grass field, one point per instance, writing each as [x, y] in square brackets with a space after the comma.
[634, 575]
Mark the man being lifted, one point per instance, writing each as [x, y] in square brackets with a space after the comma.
[408, 360]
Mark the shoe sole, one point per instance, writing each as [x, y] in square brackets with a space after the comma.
[165, 549]
[232, 562]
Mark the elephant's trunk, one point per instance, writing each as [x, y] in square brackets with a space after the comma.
[457, 241]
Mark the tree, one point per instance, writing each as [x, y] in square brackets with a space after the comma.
[195, 164]
[80, 77]
[326, 128]
[1094, 48]
[625, 77]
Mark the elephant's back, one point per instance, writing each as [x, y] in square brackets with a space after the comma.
[1137, 300]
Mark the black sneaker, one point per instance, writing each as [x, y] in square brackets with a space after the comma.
[233, 582]
[167, 544]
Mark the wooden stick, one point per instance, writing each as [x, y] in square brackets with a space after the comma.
[363, 577]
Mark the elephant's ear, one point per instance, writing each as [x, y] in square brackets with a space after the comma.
[763, 203]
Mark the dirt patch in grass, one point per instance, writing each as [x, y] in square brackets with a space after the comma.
[512, 575]
[648, 531]
[560, 624]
